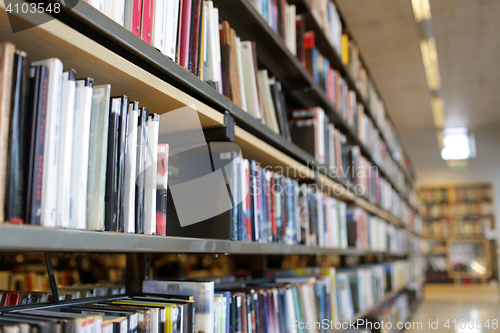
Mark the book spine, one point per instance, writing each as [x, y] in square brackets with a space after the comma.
[111, 198]
[172, 29]
[185, 33]
[150, 174]
[65, 149]
[79, 177]
[50, 165]
[98, 152]
[161, 191]
[159, 25]
[38, 96]
[136, 18]
[122, 150]
[19, 141]
[142, 136]
[147, 21]
[130, 169]
[6, 74]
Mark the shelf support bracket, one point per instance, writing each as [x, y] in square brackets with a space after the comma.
[222, 133]
[52, 278]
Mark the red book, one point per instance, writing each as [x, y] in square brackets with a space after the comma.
[185, 33]
[196, 37]
[147, 21]
[178, 49]
[161, 190]
[249, 203]
[330, 85]
[309, 42]
[136, 18]
[11, 298]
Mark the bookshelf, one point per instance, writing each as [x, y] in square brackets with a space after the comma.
[459, 214]
[95, 46]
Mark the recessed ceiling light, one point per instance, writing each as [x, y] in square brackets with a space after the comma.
[458, 144]
[421, 10]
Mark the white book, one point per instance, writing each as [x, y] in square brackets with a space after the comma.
[290, 309]
[51, 151]
[171, 28]
[130, 169]
[216, 48]
[342, 210]
[251, 96]
[237, 45]
[119, 12]
[334, 225]
[80, 152]
[320, 218]
[109, 8]
[160, 25]
[267, 101]
[128, 14]
[98, 4]
[291, 32]
[210, 59]
[151, 171]
[202, 292]
[65, 149]
[98, 152]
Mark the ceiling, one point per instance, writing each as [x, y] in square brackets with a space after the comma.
[468, 44]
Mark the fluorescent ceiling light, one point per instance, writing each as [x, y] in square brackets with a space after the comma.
[437, 105]
[431, 66]
[421, 10]
[458, 144]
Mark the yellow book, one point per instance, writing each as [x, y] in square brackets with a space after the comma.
[345, 49]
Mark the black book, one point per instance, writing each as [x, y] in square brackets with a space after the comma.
[19, 141]
[302, 132]
[39, 77]
[280, 108]
[122, 149]
[142, 135]
[111, 194]
[281, 19]
[191, 34]
[313, 226]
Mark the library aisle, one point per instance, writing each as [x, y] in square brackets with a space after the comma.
[249, 166]
[474, 309]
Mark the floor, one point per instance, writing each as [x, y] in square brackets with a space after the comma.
[467, 309]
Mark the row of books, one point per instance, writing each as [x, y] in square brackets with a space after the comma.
[437, 229]
[367, 232]
[326, 15]
[263, 97]
[311, 130]
[11, 298]
[157, 313]
[443, 210]
[188, 31]
[472, 228]
[286, 298]
[415, 244]
[74, 156]
[456, 195]
[394, 314]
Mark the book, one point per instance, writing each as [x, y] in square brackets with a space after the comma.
[184, 33]
[80, 153]
[267, 101]
[195, 38]
[159, 25]
[65, 166]
[132, 16]
[161, 190]
[6, 74]
[111, 197]
[202, 292]
[129, 186]
[171, 33]
[19, 141]
[98, 153]
[142, 137]
[151, 174]
[251, 94]
[122, 151]
[147, 21]
[51, 144]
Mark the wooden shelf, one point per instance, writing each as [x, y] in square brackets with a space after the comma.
[326, 48]
[26, 238]
[274, 55]
[89, 58]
